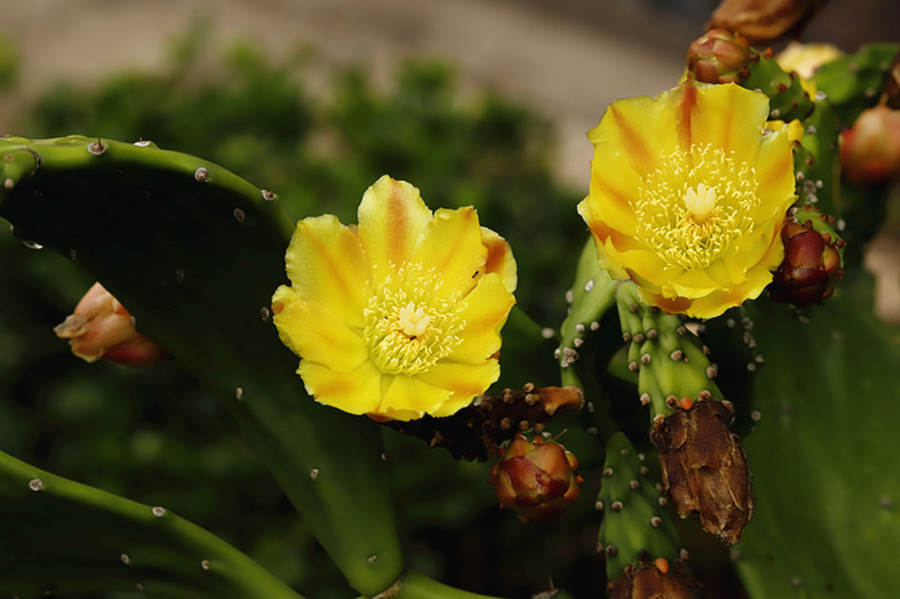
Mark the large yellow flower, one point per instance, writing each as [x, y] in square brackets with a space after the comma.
[400, 316]
[688, 196]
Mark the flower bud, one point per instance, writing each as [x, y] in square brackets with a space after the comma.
[652, 580]
[101, 327]
[719, 57]
[536, 479]
[704, 469]
[870, 150]
[811, 265]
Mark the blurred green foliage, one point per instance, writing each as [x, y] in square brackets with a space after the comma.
[157, 435]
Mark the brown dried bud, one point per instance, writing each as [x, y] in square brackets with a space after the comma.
[762, 21]
[811, 265]
[719, 56]
[536, 479]
[704, 469]
[870, 149]
[655, 580]
[101, 327]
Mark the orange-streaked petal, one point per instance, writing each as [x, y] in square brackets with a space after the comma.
[500, 258]
[311, 331]
[731, 118]
[356, 392]
[392, 217]
[326, 264]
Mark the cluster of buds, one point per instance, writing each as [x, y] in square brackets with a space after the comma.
[536, 478]
[812, 260]
[870, 149]
[101, 327]
[655, 579]
[704, 469]
[719, 56]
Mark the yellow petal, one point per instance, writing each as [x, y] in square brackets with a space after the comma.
[729, 117]
[392, 217]
[464, 380]
[314, 333]
[500, 258]
[642, 127]
[326, 264]
[485, 312]
[357, 392]
[411, 394]
[775, 172]
[613, 183]
[451, 245]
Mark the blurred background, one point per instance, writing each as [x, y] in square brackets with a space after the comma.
[475, 102]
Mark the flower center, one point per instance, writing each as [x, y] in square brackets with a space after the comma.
[700, 204]
[409, 326]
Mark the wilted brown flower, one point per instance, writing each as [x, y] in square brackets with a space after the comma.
[762, 21]
[655, 580]
[101, 327]
[704, 469]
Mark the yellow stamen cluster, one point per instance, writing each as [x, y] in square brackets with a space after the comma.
[409, 324]
[697, 206]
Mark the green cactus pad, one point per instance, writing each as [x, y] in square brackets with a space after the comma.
[634, 519]
[851, 95]
[823, 454]
[592, 294]
[817, 160]
[787, 98]
[63, 537]
[194, 253]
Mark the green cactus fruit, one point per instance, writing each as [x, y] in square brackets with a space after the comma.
[787, 98]
[635, 520]
[826, 474]
[592, 294]
[65, 538]
[195, 253]
[817, 160]
[671, 361]
[854, 82]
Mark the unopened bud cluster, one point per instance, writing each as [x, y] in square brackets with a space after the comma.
[812, 262]
[719, 57]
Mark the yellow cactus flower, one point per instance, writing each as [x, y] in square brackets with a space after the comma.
[688, 196]
[399, 316]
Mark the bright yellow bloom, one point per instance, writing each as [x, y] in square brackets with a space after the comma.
[688, 196]
[399, 316]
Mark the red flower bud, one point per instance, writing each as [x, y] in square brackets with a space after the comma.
[719, 57]
[870, 150]
[101, 327]
[811, 265]
[536, 479]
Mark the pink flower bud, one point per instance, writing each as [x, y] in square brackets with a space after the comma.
[536, 479]
[719, 57]
[101, 327]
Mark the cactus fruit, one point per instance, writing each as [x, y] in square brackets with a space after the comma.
[719, 56]
[202, 290]
[536, 478]
[68, 539]
[635, 520]
[870, 149]
[812, 259]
